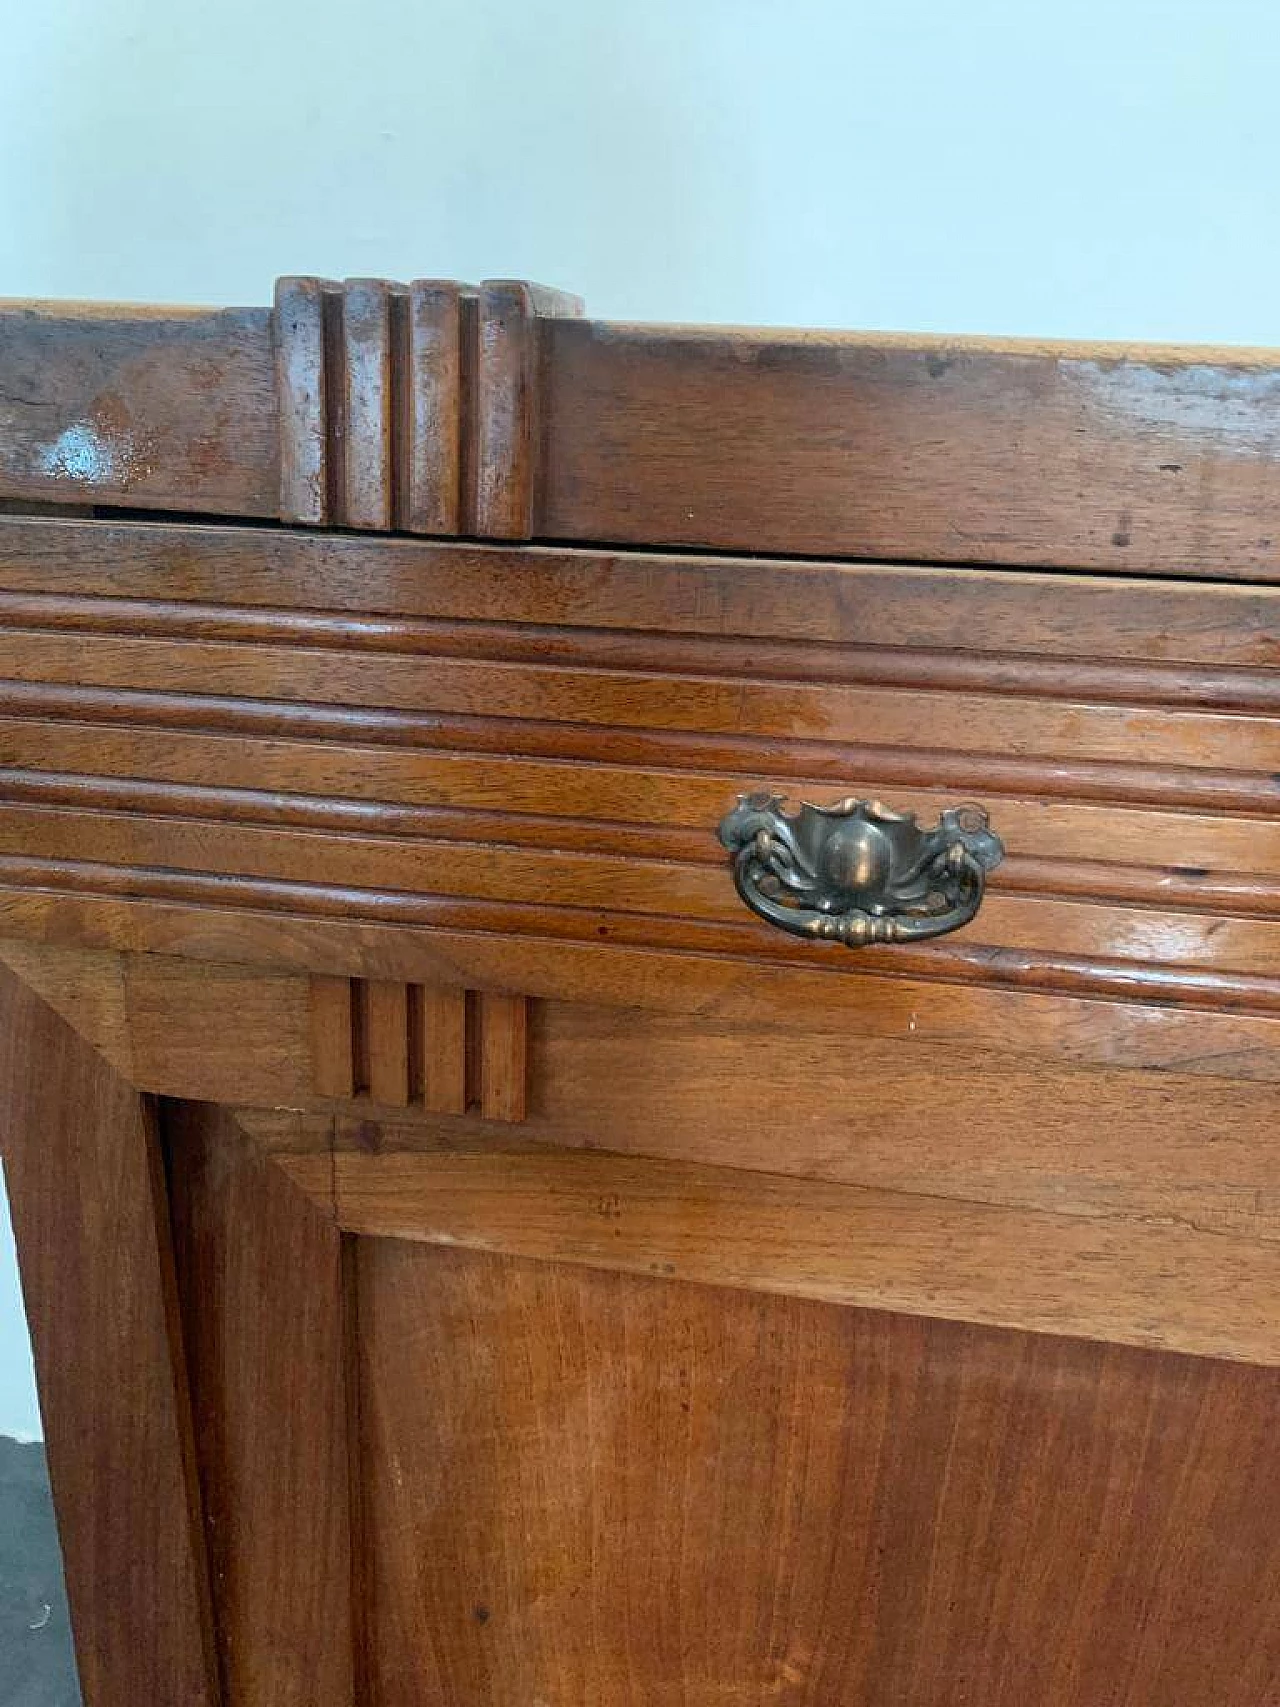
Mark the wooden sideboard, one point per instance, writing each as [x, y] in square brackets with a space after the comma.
[475, 1260]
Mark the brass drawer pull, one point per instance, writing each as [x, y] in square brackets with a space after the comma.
[857, 872]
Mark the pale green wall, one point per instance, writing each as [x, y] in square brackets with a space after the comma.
[1107, 168]
[1104, 168]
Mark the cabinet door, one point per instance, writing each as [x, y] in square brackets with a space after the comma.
[331, 1442]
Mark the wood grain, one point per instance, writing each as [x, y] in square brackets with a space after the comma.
[413, 406]
[394, 1044]
[1231, 922]
[767, 713]
[874, 608]
[87, 898]
[217, 758]
[164, 409]
[942, 1118]
[1226, 890]
[182, 753]
[387, 1041]
[1112, 680]
[441, 317]
[364, 428]
[444, 1050]
[1136, 1031]
[1135, 459]
[947, 1122]
[332, 1032]
[87, 1196]
[504, 1069]
[260, 1281]
[508, 405]
[1175, 1288]
[819, 1335]
[730, 1498]
[302, 400]
[950, 450]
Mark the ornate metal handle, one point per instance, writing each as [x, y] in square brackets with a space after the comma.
[857, 872]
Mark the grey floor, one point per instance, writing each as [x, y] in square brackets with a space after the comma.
[36, 1664]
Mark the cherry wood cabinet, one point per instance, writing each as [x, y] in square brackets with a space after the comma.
[473, 1259]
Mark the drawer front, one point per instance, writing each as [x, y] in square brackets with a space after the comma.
[374, 756]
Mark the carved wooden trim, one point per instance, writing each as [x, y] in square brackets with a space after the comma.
[1139, 460]
[1153, 1269]
[508, 403]
[412, 407]
[439, 329]
[400, 1045]
[332, 1037]
[445, 1075]
[300, 400]
[386, 1038]
[503, 1054]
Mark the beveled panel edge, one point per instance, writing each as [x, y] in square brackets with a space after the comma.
[82, 1153]
[1122, 1281]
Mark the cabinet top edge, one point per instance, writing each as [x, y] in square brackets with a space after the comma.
[1155, 353]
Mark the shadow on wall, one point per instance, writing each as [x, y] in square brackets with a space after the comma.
[37, 1665]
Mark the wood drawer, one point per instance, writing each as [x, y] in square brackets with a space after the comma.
[287, 749]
